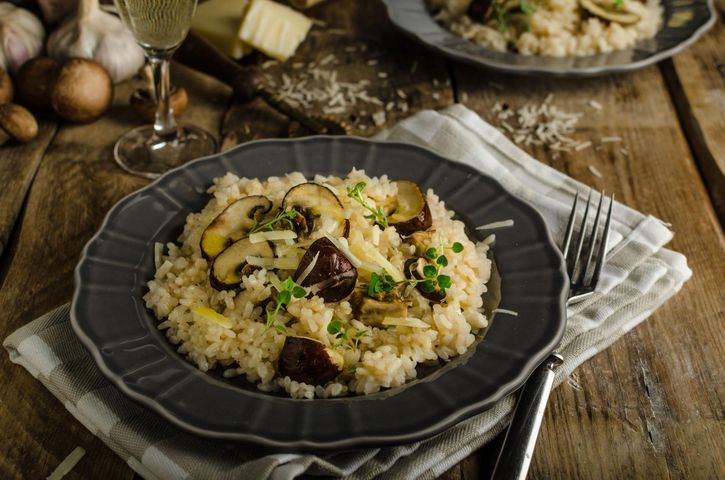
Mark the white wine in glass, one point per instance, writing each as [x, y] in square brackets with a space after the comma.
[160, 26]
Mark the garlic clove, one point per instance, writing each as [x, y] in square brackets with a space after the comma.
[18, 123]
[21, 36]
[94, 34]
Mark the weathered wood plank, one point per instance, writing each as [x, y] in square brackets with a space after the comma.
[76, 184]
[696, 78]
[634, 411]
[18, 166]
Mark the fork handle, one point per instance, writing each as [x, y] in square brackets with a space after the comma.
[518, 445]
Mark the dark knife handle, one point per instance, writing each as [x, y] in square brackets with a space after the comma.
[518, 445]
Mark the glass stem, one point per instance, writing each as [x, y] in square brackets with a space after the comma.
[164, 123]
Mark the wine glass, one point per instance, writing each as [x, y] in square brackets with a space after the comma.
[159, 26]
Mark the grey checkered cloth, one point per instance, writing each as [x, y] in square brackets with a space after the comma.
[639, 276]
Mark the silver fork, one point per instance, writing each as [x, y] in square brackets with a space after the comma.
[518, 445]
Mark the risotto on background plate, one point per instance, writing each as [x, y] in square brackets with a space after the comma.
[326, 288]
[556, 28]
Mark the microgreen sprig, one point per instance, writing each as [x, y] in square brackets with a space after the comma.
[287, 290]
[618, 4]
[342, 336]
[284, 216]
[376, 214]
[382, 283]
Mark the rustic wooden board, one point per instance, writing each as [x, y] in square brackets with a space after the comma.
[635, 410]
[18, 164]
[365, 46]
[696, 79]
[76, 184]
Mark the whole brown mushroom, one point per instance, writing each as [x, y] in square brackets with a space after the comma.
[16, 122]
[82, 92]
[34, 80]
[6, 87]
[145, 106]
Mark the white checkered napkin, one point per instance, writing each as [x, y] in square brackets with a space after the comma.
[639, 276]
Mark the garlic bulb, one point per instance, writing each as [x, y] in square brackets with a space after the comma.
[21, 36]
[100, 36]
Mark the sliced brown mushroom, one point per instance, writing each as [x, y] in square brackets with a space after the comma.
[414, 269]
[372, 312]
[320, 211]
[309, 361]
[607, 11]
[232, 224]
[422, 241]
[231, 265]
[411, 213]
[332, 275]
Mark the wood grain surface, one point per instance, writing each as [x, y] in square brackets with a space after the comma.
[650, 406]
[696, 79]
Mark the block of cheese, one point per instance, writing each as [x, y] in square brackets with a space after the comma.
[274, 29]
[218, 21]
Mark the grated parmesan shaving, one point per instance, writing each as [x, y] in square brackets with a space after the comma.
[405, 322]
[495, 225]
[158, 254]
[260, 237]
[594, 104]
[595, 171]
[307, 270]
[67, 464]
[506, 312]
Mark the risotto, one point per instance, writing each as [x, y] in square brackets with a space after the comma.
[320, 288]
[556, 28]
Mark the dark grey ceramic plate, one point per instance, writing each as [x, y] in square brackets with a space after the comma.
[109, 316]
[684, 22]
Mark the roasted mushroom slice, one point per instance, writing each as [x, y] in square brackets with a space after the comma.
[372, 312]
[320, 211]
[231, 265]
[309, 361]
[411, 213]
[414, 269]
[232, 224]
[327, 270]
[608, 11]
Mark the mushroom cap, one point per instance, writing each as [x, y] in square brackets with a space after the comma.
[82, 91]
[18, 122]
[35, 79]
[332, 271]
[145, 107]
[309, 361]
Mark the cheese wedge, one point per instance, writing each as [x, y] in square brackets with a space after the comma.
[218, 21]
[274, 29]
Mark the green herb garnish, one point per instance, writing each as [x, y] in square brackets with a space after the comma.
[287, 290]
[344, 337]
[284, 216]
[380, 283]
[527, 8]
[376, 214]
[618, 4]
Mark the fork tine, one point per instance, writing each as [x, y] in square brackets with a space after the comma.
[580, 240]
[601, 257]
[592, 240]
[570, 227]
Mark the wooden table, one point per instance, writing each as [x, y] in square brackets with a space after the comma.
[651, 406]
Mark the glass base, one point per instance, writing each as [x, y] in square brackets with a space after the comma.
[142, 153]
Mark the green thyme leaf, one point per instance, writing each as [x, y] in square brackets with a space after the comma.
[444, 281]
[430, 271]
[618, 4]
[442, 261]
[334, 327]
[428, 286]
[457, 247]
[298, 292]
[431, 253]
[376, 214]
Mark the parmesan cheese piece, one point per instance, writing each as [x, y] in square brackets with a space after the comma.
[218, 21]
[274, 29]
